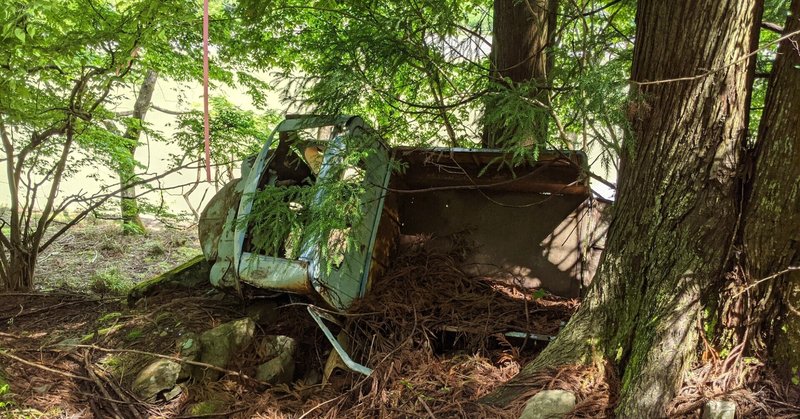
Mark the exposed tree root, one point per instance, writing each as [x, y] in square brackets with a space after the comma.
[746, 381]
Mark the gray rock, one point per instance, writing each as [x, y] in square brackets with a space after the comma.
[279, 344]
[221, 343]
[160, 376]
[189, 348]
[719, 409]
[279, 369]
[549, 404]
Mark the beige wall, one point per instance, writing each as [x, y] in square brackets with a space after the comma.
[153, 153]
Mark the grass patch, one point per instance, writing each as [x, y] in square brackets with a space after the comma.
[5, 392]
[97, 249]
[154, 249]
[109, 317]
[110, 281]
[134, 334]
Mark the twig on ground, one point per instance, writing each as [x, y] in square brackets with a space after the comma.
[427, 408]
[212, 415]
[49, 308]
[43, 367]
[87, 364]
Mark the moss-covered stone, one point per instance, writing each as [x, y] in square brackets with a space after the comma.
[279, 369]
[160, 376]
[190, 274]
[549, 404]
[221, 343]
[189, 348]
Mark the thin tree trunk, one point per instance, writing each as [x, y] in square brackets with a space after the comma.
[23, 245]
[676, 210]
[522, 31]
[129, 206]
[772, 218]
[21, 269]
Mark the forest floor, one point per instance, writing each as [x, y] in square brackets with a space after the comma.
[95, 254]
[434, 336]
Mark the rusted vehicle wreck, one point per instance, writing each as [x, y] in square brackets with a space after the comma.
[534, 223]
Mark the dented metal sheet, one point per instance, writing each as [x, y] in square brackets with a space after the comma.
[554, 171]
[274, 273]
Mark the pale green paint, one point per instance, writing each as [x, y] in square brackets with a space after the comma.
[339, 286]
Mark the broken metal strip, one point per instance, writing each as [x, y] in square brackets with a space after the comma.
[520, 335]
[534, 336]
[312, 310]
[312, 121]
[249, 187]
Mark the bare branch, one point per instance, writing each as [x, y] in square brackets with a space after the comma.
[774, 27]
[41, 226]
[718, 69]
[102, 198]
[168, 111]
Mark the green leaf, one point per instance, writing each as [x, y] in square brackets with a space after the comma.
[20, 34]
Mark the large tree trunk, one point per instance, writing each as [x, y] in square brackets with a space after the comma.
[522, 32]
[772, 218]
[129, 205]
[676, 211]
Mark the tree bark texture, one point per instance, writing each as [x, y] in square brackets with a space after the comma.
[676, 209]
[772, 218]
[129, 205]
[522, 31]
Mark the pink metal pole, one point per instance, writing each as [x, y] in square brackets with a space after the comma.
[205, 92]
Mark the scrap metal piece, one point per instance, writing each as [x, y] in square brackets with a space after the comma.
[345, 357]
[534, 336]
[338, 287]
[274, 273]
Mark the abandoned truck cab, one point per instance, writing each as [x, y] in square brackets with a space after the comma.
[533, 224]
[299, 153]
[530, 226]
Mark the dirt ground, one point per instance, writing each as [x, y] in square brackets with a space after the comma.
[434, 336]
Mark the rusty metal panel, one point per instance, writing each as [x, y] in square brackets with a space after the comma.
[593, 227]
[524, 231]
[529, 223]
[556, 172]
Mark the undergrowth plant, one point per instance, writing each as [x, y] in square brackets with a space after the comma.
[287, 220]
